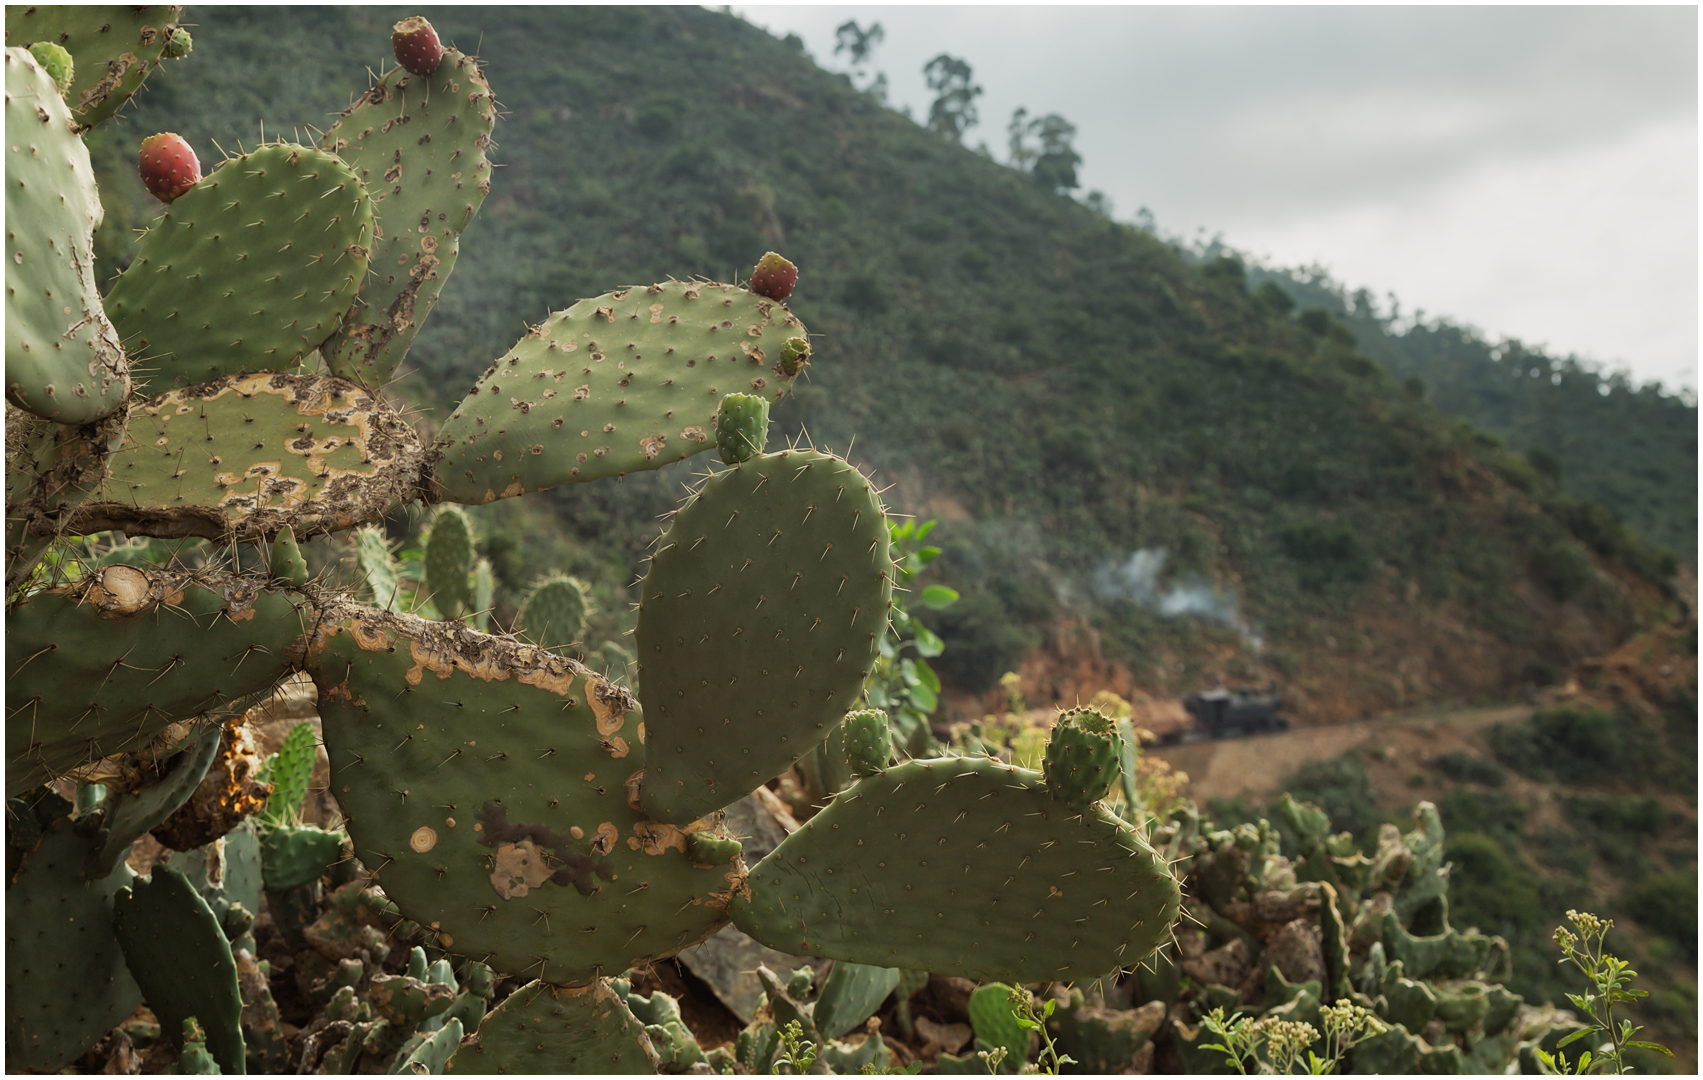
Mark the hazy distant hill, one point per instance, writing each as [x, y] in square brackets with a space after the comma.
[1632, 448]
[1117, 441]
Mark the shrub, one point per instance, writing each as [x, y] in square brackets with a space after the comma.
[1666, 904]
[1490, 890]
[1469, 768]
[1579, 745]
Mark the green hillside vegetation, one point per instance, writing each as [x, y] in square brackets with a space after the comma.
[1631, 448]
[1061, 390]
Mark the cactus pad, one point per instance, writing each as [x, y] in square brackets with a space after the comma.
[249, 270]
[125, 816]
[553, 615]
[625, 381]
[449, 562]
[241, 458]
[492, 787]
[63, 359]
[114, 47]
[175, 948]
[1081, 762]
[758, 622]
[557, 1029]
[106, 665]
[418, 143]
[66, 983]
[963, 866]
[741, 427]
[868, 741]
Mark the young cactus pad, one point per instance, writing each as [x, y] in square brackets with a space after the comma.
[964, 866]
[741, 427]
[1081, 762]
[553, 615]
[449, 562]
[432, 187]
[625, 381]
[241, 458]
[492, 787]
[63, 358]
[759, 621]
[206, 295]
[868, 741]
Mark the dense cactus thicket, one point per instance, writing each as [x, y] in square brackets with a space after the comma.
[530, 817]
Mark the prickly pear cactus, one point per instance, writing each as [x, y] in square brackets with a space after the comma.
[625, 381]
[418, 143]
[207, 296]
[113, 49]
[518, 809]
[63, 358]
[553, 615]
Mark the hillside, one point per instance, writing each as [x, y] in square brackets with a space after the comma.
[1631, 448]
[1112, 437]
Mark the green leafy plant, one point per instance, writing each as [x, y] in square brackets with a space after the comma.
[1051, 1061]
[1610, 984]
[906, 686]
[796, 1053]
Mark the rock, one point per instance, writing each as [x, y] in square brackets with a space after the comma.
[728, 962]
[1228, 965]
[1298, 951]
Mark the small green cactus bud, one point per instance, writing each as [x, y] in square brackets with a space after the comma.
[57, 63]
[795, 357]
[1081, 762]
[869, 741]
[710, 850]
[178, 43]
[287, 562]
[742, 427]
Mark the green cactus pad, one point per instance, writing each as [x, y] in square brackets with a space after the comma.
[741, 427]
[1081, 762]
[247, 271]
[63, 358]
[557, 1029]
[66, 983]
[419, 145]
[125, 816]
[287, 564]
[432, 1054]
[57, 63]
[449, 562]
[289, 771]
[759, 621]
[106, 665]
[625, 381]
[114, 48]
[553, 615]
[868, 741]
[967, 867]
[994, 1019]
[492, 788]
[377, 568]
[851, 996]
[241, 458]
[174, 947]
[291, 855]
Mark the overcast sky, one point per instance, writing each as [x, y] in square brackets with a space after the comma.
[1529, 171]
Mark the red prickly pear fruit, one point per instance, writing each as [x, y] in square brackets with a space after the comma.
[168, 166]
[774, 277]
[417, 46]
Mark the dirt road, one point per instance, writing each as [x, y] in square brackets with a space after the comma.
[1257, 767]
